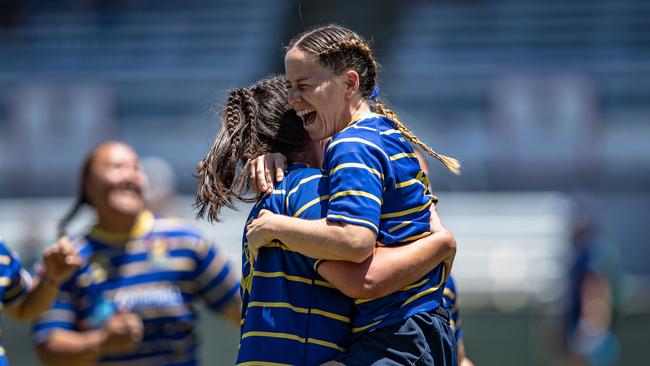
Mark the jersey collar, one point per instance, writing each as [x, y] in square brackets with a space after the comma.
[143, 225]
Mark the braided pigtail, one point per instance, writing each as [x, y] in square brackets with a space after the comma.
[450, 163]
[81, 200]
[254, 121]
[216, 172]
[62, 226]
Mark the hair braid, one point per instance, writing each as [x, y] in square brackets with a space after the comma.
[81, 194]
[450, 163]
[254, 121]
[62, 226]
[214, 190]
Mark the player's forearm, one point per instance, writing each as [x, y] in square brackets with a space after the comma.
[231, 311]
[394, 268]
[325, 239]
[390, 269]
[70, 348]
[38, 300]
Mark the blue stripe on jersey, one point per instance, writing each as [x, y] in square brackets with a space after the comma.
[14, 284]
[450, 301]
[375, 181]
[291, 315]
[158, 275]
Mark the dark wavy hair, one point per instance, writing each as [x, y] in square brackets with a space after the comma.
[254, 121]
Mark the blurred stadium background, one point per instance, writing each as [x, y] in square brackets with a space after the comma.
[546, 103]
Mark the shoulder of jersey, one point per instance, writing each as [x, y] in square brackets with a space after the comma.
[175, 226]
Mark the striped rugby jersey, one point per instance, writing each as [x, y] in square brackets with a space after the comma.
[375, 181]
[14, 284]
[450, 302]
[162, 270]
[291, 315]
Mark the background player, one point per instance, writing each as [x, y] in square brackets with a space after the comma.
[24, 300]
[133, 297]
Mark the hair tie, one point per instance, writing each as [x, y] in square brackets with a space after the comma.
[375, 92]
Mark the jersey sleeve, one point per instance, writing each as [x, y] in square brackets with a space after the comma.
[308, 200]
[18, 280]
[450, 298]
[62, 315]
[357, 169]
[218, 283]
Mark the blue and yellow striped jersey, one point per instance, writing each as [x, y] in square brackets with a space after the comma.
[450, 302]
[375, 181]
[291, 315]
[158, 272]
[14, 284]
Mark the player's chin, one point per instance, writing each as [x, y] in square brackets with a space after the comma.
[127, 205]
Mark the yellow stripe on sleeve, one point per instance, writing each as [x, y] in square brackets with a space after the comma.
[409, 182]
[262, 363]
[399, 226]
[406, 212]
[352, 219]
[403, 155]
[297, 187]
[309, 204]
[356, 165]
[355, 139]
[352, 192]
[415, 237]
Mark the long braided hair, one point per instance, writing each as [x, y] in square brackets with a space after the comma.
[341, 49]
[254, 121]
[81, 198]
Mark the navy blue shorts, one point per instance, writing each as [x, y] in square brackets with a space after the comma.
[423, 339]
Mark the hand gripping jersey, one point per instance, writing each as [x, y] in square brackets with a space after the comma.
[158, 273]
[14, 284]
[291, 315]
[375, 181]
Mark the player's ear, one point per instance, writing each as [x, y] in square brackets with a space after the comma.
[352, 82]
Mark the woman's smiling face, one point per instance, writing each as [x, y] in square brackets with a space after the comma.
[320, 97]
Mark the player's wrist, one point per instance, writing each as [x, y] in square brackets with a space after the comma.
[51, 282]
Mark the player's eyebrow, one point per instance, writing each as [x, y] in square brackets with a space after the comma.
[299, 80]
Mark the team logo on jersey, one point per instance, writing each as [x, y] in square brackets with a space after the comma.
[99, 268]
[158, 253]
